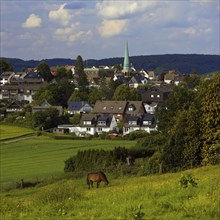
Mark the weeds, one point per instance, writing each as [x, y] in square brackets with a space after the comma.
[187, 180]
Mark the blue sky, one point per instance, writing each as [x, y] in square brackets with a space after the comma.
[95, 29]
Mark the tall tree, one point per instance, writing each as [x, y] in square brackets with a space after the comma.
[44, 70]
[80, 75]
[210, 107]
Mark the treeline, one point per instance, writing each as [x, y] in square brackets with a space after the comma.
[184, 63]
[188, 136]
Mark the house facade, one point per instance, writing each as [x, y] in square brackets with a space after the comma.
[145, 122]
[21, 86]
[92, 124]
[115, 108]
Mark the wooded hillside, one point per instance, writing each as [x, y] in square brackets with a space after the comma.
[184, 63]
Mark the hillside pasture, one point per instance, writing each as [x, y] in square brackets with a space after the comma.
[149, 197]
[41, 156]
[8, 132]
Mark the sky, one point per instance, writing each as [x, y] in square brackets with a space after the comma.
[98, 29]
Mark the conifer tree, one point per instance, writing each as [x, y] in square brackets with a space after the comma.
[80, 76]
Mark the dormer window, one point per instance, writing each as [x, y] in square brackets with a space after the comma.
[132, 123]
[101, 123]
[131, 108]
[87, 122]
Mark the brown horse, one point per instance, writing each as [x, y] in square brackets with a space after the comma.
[96, 177]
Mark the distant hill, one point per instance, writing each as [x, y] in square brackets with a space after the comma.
[184, 63]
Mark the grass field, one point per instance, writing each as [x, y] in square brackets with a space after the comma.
[40, 156]
[7, 132]
[155, 197]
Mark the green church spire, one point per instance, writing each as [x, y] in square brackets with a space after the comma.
[126, 66]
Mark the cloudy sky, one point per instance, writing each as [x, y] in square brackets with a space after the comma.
[97, 29]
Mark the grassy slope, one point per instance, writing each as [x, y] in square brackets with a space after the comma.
[160, 196]
[41, 156]
[7, 132]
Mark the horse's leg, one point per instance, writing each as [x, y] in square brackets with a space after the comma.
[91, 182]
[98, 184]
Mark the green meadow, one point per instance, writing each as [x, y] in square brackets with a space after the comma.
[40, 156]
[60, 196]
[7, 132]
[149, 197]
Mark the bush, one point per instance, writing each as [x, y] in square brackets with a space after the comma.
[187, 180]
[90, 160]
[136, 135]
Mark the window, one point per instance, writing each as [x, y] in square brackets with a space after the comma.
[126, 129]
[104, 107]
[88, 129]
[99, 129]
[158, 96]
[87, 123]
[132, 123]
[152, 96]
[101, 123]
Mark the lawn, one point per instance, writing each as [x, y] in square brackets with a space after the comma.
[42, 156]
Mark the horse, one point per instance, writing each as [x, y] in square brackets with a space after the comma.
[96, 177]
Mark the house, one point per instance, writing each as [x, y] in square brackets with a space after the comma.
[45, 105]
[15, 107]
[170, 76]
[92, 124]
[150, 107]
[135, 108]
[137, 80]
[79, 107]
[21, 86]
[158, 94]
[151, 75]
[149, 123]
[145, 122]
[67, 129]
[116, 108]
[5, 77]
[120, 78]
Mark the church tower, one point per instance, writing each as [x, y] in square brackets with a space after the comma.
[126, 66]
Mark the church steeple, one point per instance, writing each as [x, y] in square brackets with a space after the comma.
[126, 66]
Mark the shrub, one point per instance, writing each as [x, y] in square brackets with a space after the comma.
[187, 180]
[135, 213]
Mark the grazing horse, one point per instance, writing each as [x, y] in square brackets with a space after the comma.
[96, 177]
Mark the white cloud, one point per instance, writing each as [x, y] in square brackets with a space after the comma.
[71, 34]
[79, 35]
[110, 28]
[32, 21]
[119, 9]
[61, 15]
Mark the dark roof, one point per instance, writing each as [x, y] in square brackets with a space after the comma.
[138, 78]
[33, 75]
[76, 105]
